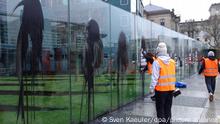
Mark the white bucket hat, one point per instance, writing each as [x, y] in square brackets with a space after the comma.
[161, 48]
[211, 53]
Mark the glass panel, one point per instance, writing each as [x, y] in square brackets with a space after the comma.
[8, 80]
[91, 59]
[38, 91]
[126, 83]
[143, 44]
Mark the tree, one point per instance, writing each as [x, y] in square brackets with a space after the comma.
[212, 27]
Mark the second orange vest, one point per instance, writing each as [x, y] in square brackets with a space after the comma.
[211, 67]
[149, 66]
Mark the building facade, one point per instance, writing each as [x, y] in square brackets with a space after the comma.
[133, 6]
[139, 8]
[198, 29]
[214, 9]
[123, 4]
[193, 29]
[162, 16]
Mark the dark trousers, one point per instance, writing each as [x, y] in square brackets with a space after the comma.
[163, 106]
[210, 83]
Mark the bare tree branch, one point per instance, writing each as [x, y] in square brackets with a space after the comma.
[212, 27]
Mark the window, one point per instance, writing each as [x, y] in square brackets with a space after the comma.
[123, 2]
[162, 22]
[217, 12]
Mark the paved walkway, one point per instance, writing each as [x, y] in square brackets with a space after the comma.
[192, 106]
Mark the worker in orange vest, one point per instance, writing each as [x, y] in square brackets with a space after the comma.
[163, 83]
[210, 68]
[149, 60]
[149, 65]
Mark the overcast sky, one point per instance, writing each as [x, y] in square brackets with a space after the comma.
[187, 9]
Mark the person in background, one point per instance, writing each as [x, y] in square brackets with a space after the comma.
[210, 68]
[163, 83]
[143, 64]
[149, 60]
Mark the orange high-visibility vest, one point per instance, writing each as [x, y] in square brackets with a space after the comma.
[211, 67]
[167, 79]
[149, 67]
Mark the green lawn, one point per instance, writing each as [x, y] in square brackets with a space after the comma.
[56, 109]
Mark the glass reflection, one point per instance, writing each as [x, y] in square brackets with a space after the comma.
[93, 57]
[32, 26]
[122, 64]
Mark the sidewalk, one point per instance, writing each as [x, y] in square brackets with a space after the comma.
[191, 106]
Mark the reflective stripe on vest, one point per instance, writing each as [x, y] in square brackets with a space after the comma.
[211, 67]
[167, 76]
[166, 81]
[166, 84]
